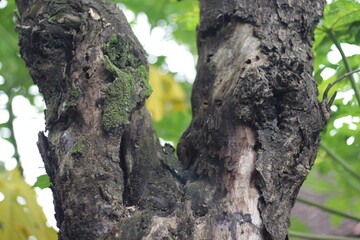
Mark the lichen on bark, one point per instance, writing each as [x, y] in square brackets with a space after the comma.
[130, 86]
[77, 149]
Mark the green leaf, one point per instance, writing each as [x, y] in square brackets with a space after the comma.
[21, 217]
[172, 126]
[342, 17]
[13, 69]
[298, 225]
[42, 181]
[341, 13]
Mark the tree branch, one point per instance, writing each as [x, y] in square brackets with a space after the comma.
[340, 161]
[336, 81]
[346, 63]
[329, 210]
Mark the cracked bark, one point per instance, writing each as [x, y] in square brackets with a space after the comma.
[252, 141]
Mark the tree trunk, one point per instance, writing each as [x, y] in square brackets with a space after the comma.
[252, 141]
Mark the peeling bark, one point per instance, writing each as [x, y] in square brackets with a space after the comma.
[251, 143]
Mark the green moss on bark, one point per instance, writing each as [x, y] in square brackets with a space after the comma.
[118, 98]
[144, 78]
[77, 149]
[130, 87]
[72, 97]
[120, 52]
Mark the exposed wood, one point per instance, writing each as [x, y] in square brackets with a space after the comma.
[255, 79]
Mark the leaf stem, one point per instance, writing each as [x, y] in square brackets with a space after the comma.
[329, 210]
[346, 63]
[340, 161]
[336, 81]
[318, 237]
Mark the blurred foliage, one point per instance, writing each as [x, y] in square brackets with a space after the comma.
[183, 16]
[168, 105]
[342, 132]
[298, 226]
[13, 69]
[167, 97]
[21, 216]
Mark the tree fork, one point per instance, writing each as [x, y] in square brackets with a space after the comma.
[252, 141]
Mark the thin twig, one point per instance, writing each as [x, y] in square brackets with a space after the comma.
[347, 65]
[340, 161]
[329, 210]
[325, 104]
[336, 81]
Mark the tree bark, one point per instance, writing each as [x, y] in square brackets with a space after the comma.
[252, 141]
[256, 119]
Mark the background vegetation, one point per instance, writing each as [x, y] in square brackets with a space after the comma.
[336, 173]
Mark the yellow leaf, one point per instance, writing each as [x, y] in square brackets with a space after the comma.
[167, 97]
[20, 215]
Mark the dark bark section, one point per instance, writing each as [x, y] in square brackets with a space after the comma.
[266, 86]
[101, 153]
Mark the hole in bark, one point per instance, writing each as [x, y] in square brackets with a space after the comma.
[248, 61]
[99, 102]
[110, 78]
[257, 58]
[218, 102]
[205, 103]
[87, 75]
[209, 57]
[87, 58]
[257, 146]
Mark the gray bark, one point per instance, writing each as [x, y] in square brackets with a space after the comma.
[252, 141]
[255, 79]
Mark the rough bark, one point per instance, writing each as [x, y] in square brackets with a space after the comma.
[256, 119]
[252, 141]
[101, 152]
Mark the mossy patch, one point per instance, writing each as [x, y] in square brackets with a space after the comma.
[120, 52]
[144, 77]
[118, 98]
[73, 95]
[51, 113]
[77, 149]
[130, 87]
